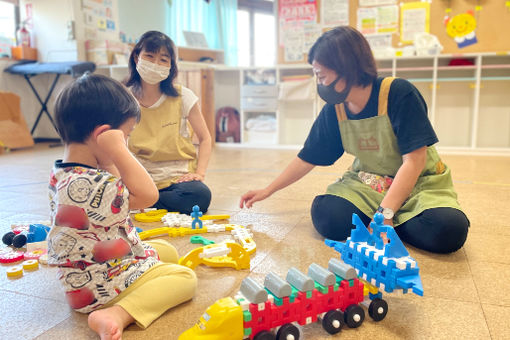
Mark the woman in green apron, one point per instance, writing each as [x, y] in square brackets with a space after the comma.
[382, 122]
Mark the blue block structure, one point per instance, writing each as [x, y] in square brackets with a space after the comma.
[37, 232]
[386, 266]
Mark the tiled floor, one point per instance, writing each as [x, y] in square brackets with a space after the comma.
[464, 292]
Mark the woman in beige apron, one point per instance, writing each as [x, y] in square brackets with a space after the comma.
[382, 122]
[162, 140]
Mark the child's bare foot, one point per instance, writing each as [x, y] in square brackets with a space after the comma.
[109, 323]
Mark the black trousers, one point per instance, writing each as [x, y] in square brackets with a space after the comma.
[181, 197]
[437, 230]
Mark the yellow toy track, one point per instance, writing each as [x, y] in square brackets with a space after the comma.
[237, 257]
[151, 216]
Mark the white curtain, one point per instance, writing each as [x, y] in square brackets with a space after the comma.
[216, 19]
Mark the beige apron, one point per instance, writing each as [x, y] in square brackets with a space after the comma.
[157, 139]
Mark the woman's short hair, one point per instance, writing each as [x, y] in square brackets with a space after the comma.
[153, 41]
[91, 101]
[345, 51]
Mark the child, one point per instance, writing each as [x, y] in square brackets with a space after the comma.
[104, 266]
[162, 141]
[382, 122]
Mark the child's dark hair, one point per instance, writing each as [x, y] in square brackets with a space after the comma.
[90, 101]
[153, 41]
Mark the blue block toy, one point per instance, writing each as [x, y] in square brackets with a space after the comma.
[386, 266]
[196, 213]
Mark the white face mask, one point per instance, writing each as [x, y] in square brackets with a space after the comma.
[150, 72]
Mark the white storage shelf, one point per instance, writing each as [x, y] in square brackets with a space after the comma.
[293, 118]
[469, 105]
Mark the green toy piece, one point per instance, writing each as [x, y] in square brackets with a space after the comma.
[199, 239]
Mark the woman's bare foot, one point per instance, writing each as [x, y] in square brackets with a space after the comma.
[109, 323]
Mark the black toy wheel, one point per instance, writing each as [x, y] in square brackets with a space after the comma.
[264, 335]
[333, 321]
[378, 309]
[288, 332]
[19, 241]
[7, 238]
[354, 316]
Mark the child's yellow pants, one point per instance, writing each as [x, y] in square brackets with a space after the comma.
[160, 288]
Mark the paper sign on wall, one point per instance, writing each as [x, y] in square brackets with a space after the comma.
[387, 19]
[367, 18]
[297, 10]
[415, 18]
[293, 14]
[335, 12]
[376, 2]
[379, 41]
[312, 32]
[294, 44]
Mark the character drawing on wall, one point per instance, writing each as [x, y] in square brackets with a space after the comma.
[462, 29]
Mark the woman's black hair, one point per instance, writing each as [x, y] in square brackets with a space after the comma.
[91, 101]
[345, 51]
[153, 41]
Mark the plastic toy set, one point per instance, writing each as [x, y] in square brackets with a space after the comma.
[334, 295]
[29, 236]
[225, 254]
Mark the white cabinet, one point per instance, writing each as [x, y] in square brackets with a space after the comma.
[468, 98]
[277, 105]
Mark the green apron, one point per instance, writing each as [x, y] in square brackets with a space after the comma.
[374, 144]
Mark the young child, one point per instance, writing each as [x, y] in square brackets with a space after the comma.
[105, 268]
[162, 142]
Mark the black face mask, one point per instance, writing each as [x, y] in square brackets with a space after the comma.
[330, 95]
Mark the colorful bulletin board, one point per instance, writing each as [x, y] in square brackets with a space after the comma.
[98, 18]
[377, 18]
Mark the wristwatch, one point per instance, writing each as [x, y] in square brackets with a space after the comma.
[387, 212]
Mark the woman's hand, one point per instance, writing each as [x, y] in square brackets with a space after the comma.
[253, 196]
[190, 177]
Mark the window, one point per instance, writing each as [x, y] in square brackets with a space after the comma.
[256, 33]
[265, 44]
[7, 20]
[243, 43]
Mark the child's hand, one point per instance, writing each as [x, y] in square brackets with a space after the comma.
[110, 140]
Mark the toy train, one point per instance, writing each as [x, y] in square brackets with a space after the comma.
[333, 296]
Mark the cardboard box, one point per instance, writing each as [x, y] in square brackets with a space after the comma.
[24, 53]
[14, 133]
[102, 52]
